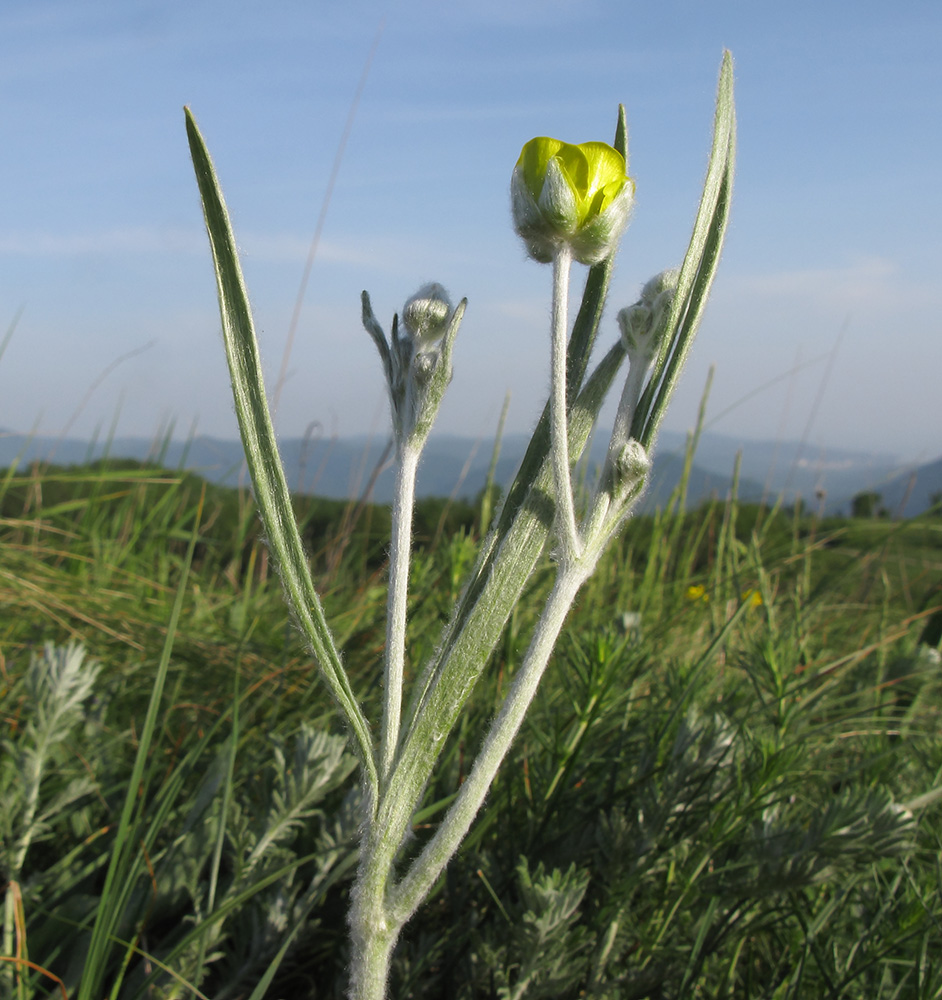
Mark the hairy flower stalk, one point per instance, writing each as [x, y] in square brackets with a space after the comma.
[400, 550]
[566, 526]
[417, 365]
[569, 203]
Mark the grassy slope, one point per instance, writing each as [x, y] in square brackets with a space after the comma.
[708, 795]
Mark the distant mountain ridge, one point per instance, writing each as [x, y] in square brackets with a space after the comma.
[452, 465]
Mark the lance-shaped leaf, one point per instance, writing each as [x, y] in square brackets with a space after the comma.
[261, 451]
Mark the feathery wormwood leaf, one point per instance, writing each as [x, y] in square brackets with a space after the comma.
[543, 957]
[264, 904]
[805, 844]
[335, 856]
[57, 684]
[318, 765]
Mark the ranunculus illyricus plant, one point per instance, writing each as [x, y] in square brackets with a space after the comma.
[569, 203]
[563, 194]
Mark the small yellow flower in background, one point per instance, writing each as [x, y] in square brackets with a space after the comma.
[697, 593]
[754, 597]
[578, 195]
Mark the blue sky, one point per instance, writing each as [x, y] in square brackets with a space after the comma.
[828, 295]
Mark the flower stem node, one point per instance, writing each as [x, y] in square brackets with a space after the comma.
[417, 360]
[575, 195]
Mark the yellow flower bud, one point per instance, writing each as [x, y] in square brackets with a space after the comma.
[566, 194]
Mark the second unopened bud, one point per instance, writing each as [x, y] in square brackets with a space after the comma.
[427, 314]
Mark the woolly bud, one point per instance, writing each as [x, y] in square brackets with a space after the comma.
[633, 463]
[427, 314]
[665, 282]
[642, 325]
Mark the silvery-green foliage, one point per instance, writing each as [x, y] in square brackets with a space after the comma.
[798, 844]
[39, 777]
[283, 844]
[296, 781]
[541, 954]
[42, 781]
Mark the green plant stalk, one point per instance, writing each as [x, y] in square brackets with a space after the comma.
[566, 527]
[425, 870]
[261, 451]
[379, 910]
[400, 550]
[469, 649]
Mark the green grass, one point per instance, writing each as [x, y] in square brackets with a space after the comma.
[726, 787]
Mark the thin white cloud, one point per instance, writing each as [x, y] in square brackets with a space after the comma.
[262, 247]
[867, 282]
[134, 240]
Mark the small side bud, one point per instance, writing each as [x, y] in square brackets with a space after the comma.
[654, 287]
[643, 324]
[634, 322]
[633, 464]
[658, 294]
[422, 367]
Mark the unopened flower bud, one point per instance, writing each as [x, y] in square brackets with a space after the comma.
[566, 194]
[665, 282]
[427, 314]
[643, 324]
[635, 325]
[633, 464]
[658, 293]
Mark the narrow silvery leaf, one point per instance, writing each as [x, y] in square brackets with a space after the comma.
[699, 266]
[261, 451]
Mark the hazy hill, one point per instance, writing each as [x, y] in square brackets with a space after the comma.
[343, 467]
[911, 491]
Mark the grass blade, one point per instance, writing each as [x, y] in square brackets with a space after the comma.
[121, 869]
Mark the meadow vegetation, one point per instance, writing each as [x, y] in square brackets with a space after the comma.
[728, 785]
